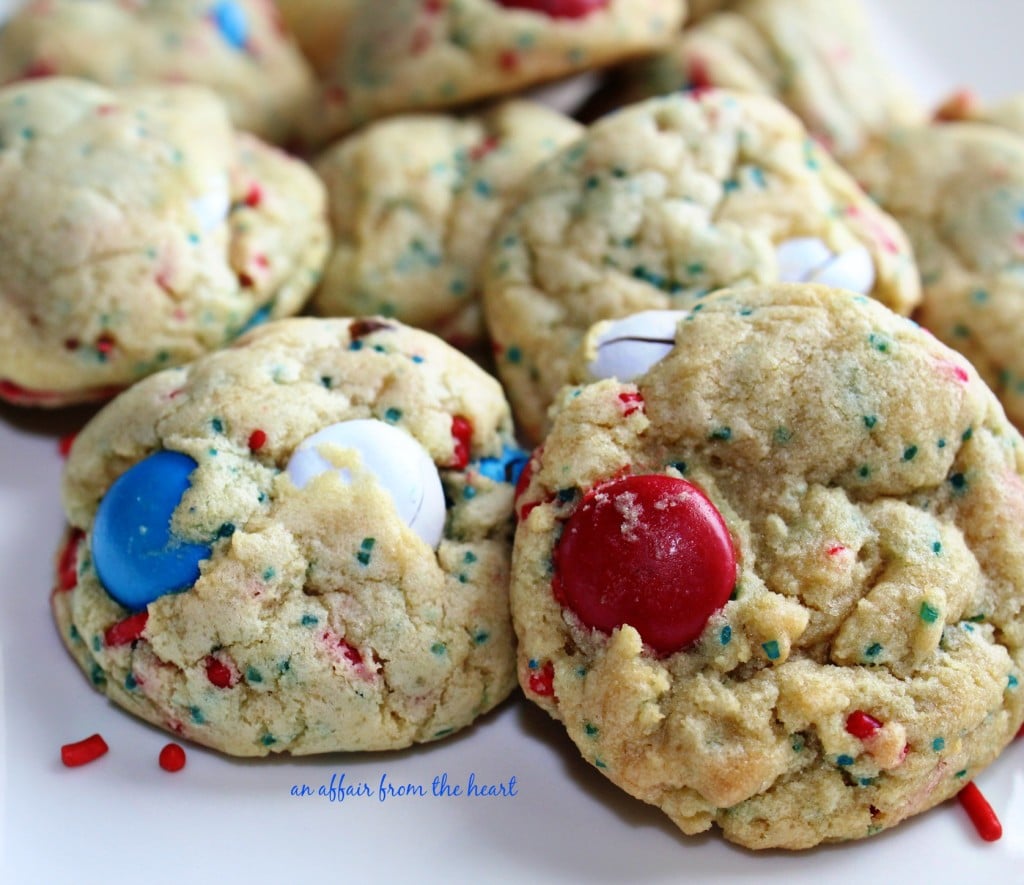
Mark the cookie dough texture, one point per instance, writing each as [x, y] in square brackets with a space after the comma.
[819, 59]
[139, 230]
[958, 191]
[413, 200]
[341, 628]
[409, 55]
[873, 490]
[653, 208]
[235, 47]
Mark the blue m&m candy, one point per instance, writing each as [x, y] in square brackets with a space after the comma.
[508, 467]
[137, 556]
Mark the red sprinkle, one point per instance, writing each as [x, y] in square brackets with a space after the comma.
[219, 673]
[84, 751]
[542, 681]
[485, 147]
[557, 8]
[631, 402]
[980, 813]
[105, 344]
[254, 196]
[257, 439]
[172, 758]
[65, 443]
[462, 431]
[350, 652]
[862, 725]
[67, 565]
[126, 631]
[508, 60]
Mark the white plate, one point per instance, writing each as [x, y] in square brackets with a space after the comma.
[122, 819]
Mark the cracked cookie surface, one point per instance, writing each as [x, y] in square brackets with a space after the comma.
[654, 207]
[868, 663]
[413, 200]
[320, 621]
[138, 231]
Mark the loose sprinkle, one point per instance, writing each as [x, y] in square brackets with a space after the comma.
[980, 813]
[84, 751]
[172, 758]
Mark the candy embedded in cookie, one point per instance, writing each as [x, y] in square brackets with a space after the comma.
[659, 204]
[299, 543]
[155, 244]
[771, 584]
[650, 551]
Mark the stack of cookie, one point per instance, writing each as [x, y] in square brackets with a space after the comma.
[764, 562]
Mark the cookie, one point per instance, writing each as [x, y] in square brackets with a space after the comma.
[297, 544]
[661, 203]
[410, 55]
[413, 200]
[235, 47]
[958, 191]
[139, 230]
[318, 27]
[773, 584]
[819, 59]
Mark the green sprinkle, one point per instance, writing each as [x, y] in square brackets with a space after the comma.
[928, 613]
[782, 435]
[267, 740]
[961, 773]
[939, 744]
[937, 547]
[438, 648]
[864, 471]
[590, 729]
[797, 743]
[443, 732]
[721, 433]
[284, 666]
[771, 649]
[130, 682]
[469, 557]
[392, 415]
[873, 650]
[725, 635]
[196, 715]
[909, 452]
[958, 481]
[97, 676]
[217, 425]
[599, 762]
[253, 675]
[870, 421]
[226, 530]
[364, 550]
[97, 643]
[881, 343]
[481, 636]
[967, 434]
[309, 620]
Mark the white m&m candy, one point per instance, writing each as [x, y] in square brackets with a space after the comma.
[398, 462]
[809, 260]
[628, 347]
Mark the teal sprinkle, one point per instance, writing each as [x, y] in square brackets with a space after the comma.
[958, 482]
[967, 434]
[599, 762]
[28, 133]
[937, 547]
[438, 648]
[130, 683]
[619, 172]
[873, 650]
[253, 675]
[193, 238]
[97, 643]
[961, 773]
[928, 613]
[326, 381]
[269, 574]
[469, 557]
[880, 342]
[463, 578]
[721, 433]
[355, 345]
[284, 666]
[212, 452]
[725, 635]
[797, 743]
[961, 331]
[866, 781]
[97, 676]
[939, 744]
[730, 184]
[482, 188]
[392, 415]
[870, 421]
[680, 466]
[757, 174]
[469, 492]
[782, 435]
[771, 649]
[75, 636]
[581, 672]
[481, 636]
[363, 557]
[443, 732]
[196, 715]
[864, 471]
[590, 729]
[268, 740]
[533, 664]
[941, 444]
[844, 760]
[592, 182]
[909, 453]
[367, 544]
[979, 296]
[226, 530]
[514, 355]
[309, 620]
[217, 425]
[1012, 682]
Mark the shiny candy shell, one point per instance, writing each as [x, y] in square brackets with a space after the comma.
[138, 558]
[809, 260]
[648, 550]
[628, 347]
[400, 464]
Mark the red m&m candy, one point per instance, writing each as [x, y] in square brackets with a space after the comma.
[557, 8]
[650, 551]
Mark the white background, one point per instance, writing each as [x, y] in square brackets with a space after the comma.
[123, 820]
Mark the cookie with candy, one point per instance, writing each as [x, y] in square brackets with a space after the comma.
[297, 544]
[768, 565]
